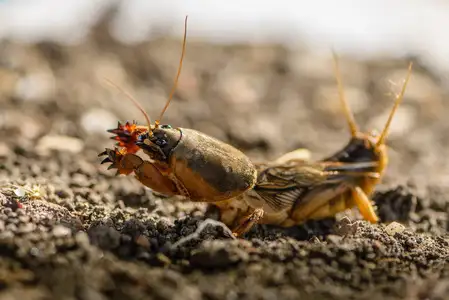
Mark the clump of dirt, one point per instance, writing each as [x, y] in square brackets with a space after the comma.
[70, 229]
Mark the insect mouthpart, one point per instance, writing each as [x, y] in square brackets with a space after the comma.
[154, 145]
[143, 140]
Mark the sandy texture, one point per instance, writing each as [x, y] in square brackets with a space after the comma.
[85, 234]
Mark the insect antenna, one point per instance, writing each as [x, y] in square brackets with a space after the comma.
[156, 124]
[136, 103]
[398, 101]
[347, 111]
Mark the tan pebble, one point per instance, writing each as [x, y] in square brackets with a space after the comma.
[61, 231]
[98, 120]
[316, 66]
[59, 143]
[36, 86]
[5, 151]
[394, 228]
[327, 99]
[143, 241]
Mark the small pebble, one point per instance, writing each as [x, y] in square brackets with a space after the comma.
[5, 151]
[24, 218]
[11, 227]
[97, 121]
[80, 180]
[37, 86]
[34, 251]
[59, 143]
[394, 228]
[143, 241]
[334, 239]
[20, 192]
[26, 228]
[82, 239]
[61, 231]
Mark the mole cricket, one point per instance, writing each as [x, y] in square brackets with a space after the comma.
[285, 192]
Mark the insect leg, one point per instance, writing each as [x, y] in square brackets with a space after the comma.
[182, 190]
[150, 176]
[336, 205]
[364, 204]
[125, 163]
[145, 172]
[247, 222]
[315, 201]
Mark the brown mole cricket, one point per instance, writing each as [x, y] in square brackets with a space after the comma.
[182, 161]
[188, 163]
[286, 192]
[293, 189]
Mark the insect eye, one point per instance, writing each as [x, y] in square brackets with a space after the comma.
[142, 137]
[166, 126]
[161, 142]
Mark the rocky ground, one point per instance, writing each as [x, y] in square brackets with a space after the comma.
[69, 229]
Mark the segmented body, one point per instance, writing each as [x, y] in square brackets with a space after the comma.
[298, 191]
[287, 192]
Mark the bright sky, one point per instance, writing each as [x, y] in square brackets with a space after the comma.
[393, 27]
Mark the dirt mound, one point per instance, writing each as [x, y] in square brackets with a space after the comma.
[69, 229]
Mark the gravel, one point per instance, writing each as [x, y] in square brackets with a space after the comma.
[70, 229]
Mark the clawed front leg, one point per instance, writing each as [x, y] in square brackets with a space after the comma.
[145, 172]
[125, 163]
[127, 134]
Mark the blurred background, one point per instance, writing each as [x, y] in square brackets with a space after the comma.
[257, 74]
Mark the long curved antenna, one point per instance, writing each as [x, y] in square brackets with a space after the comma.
[136, 103]
[398, 101]
[344, 103]
[156, 124]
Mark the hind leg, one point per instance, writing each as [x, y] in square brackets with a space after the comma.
[364, 204]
